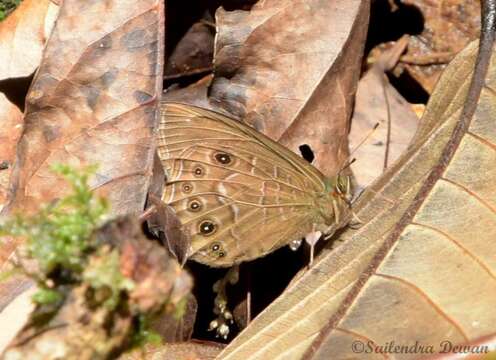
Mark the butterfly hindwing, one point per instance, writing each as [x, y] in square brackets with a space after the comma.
[239, 194]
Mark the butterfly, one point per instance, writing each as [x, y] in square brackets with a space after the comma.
[238, 194]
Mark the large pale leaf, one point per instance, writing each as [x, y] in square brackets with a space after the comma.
[415, 271]
[379, 104]
[291, 67]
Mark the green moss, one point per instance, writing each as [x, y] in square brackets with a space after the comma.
[58, 237]
[7, 6]
[143, 334]
[104, 276]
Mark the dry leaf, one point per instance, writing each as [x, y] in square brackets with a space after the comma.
[175, 329]
[10, 130]
[448, 27]
[14, 316]
[378, 102]
[430, 280]
[23, 35]
[294, 85]
[193, 54]
[480, 349]
[194, 94]
[93, 101]
[194, 350]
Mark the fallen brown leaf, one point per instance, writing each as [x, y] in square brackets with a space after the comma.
[23, 35]
[92, 101]
[194, 350]
[448, 27]
[10, 130]
[294, 85]
[193, 54]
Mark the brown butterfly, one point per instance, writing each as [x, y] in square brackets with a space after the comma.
[238, 194]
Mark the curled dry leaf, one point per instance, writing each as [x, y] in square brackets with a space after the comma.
[194, 94]
[193, 54]
[294, 85]
[164, 219]
[378, 102]
[415, 271]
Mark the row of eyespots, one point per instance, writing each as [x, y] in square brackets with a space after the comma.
[206, 227]
[199, 170]
[220, 157]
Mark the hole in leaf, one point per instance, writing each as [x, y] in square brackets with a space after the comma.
[307, 153]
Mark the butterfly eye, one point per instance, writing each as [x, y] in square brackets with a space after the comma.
[194, 205]
[207, 227]
[187, 187]
[223, 158]
[198, 171]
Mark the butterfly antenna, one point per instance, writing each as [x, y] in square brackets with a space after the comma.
[348, 163]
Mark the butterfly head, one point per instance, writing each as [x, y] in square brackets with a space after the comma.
[340, 187]
[337, 199]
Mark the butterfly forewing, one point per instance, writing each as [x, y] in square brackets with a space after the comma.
[239, 194]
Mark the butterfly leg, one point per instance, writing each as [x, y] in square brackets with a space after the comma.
[356, 221]
[311, 239]
[224, 315]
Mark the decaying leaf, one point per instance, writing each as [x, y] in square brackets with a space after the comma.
[421, 267]
[296, 85]
[379, 103]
